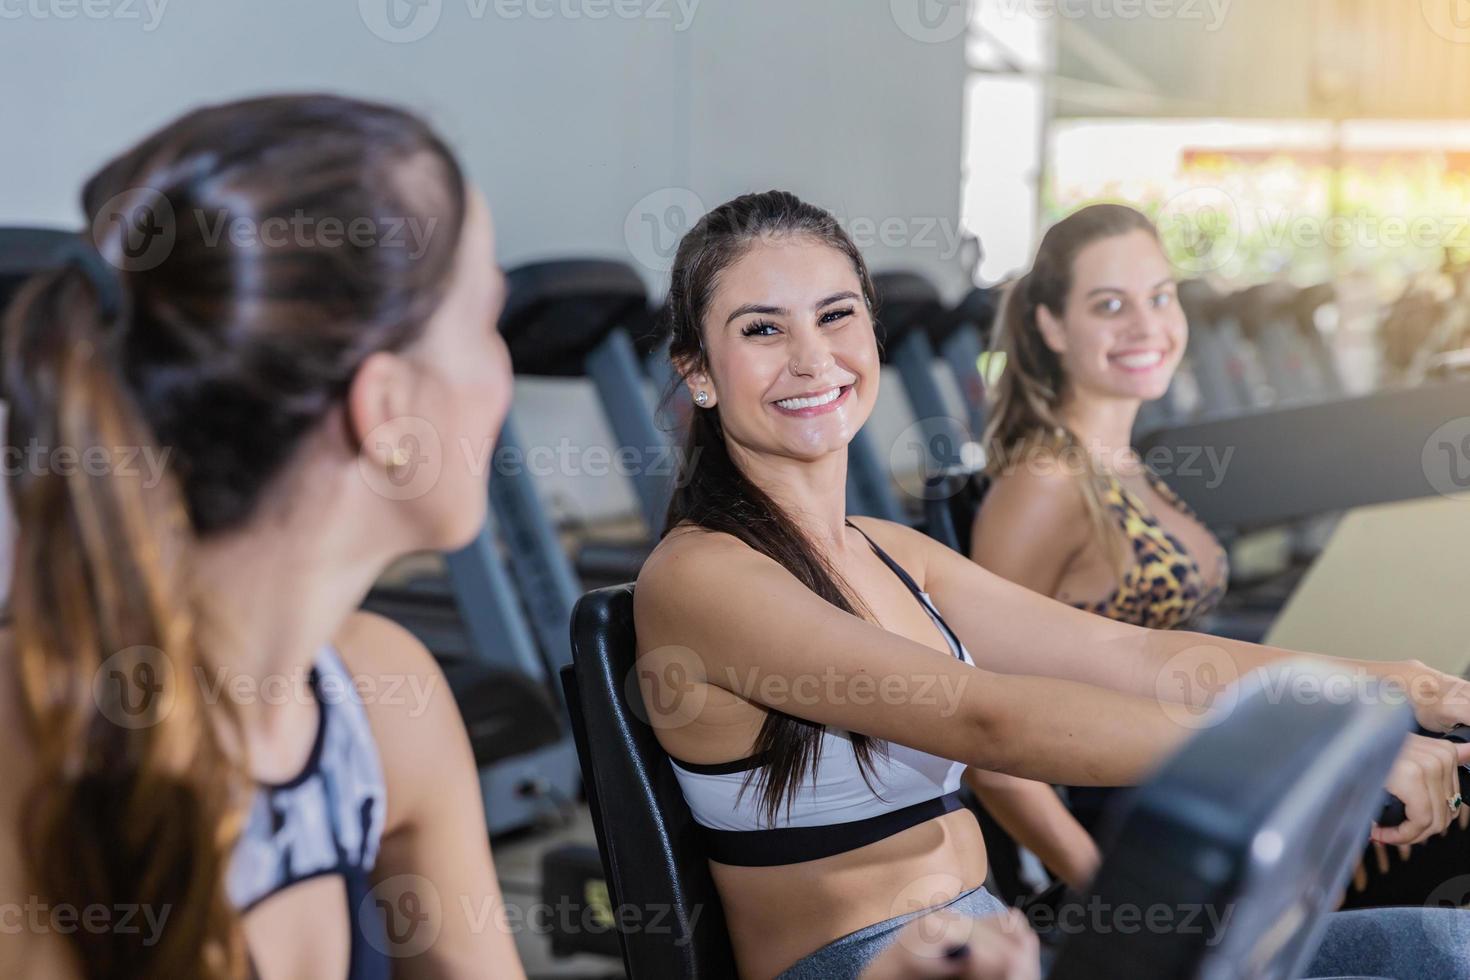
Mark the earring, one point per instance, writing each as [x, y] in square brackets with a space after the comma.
[701, 398]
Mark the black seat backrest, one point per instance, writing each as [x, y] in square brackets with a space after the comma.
[951, 501]
[907, 301]
[649, 842]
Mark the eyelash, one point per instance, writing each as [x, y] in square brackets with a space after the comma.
[831, 316]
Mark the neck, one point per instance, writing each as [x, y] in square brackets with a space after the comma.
[1103, 426]
[279, 590]
[812, 492]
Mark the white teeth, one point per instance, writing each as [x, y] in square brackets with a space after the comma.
[1143, 360]
[791, 404]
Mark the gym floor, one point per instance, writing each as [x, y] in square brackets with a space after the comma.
[518, 862]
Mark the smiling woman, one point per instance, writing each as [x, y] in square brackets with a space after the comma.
[823, 778]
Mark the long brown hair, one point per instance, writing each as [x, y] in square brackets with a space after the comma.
[712, 491]
[1024, 423]
[217, 356]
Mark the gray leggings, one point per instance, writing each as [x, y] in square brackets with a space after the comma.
[1365, 944]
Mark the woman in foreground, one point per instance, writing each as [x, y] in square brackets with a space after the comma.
[177, 682]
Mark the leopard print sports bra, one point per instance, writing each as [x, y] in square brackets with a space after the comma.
[1164, 587]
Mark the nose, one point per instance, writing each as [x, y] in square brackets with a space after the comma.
[811, 353]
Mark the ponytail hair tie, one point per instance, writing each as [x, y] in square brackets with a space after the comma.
[101, 275]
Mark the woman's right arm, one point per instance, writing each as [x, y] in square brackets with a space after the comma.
[747, 625]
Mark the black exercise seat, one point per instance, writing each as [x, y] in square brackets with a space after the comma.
[1261, 815]
[649, 842]
[951, 501]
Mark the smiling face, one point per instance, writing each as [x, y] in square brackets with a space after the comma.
[792, 359]
[1123, 332]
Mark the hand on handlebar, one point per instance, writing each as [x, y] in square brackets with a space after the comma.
[1425, 779]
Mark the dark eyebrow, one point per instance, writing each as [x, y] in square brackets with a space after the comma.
[1169, 281]
[750, 308]
[836, 298]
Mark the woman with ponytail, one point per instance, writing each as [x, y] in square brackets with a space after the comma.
[822, 682]
[1092, 332]
[235, 379]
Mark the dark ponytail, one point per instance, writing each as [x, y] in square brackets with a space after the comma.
[712, 492]
[136, 812]
[217, 358]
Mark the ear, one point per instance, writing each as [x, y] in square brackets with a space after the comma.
[1053, 333]
[697, 379]
[378, 397]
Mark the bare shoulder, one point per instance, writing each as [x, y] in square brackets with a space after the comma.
[687, 559]
[370, 643]
[407, 700]
[1040, 487]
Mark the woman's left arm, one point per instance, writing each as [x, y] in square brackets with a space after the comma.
[435, 838]
[1019, 631]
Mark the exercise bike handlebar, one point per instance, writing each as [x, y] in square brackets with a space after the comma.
[1393, 812]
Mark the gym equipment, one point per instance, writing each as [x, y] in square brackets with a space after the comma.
[1294, 368]
[578, 317]
[1280, 465]
[961, 336]
[1221, 363]
[908, 306]
[1262, 813]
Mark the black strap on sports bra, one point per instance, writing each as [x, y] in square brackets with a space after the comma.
[954, 641]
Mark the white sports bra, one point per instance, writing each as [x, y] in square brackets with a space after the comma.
[833, 809]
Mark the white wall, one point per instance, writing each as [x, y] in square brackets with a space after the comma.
[585, 133]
